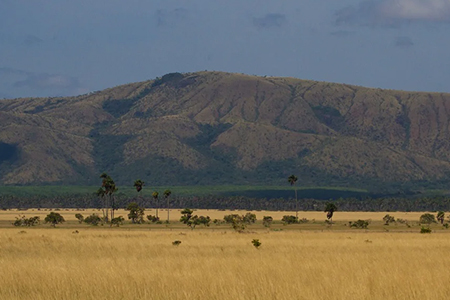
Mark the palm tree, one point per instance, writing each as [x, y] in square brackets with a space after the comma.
[330, 208]
[292, 180]
[139, 184]
[109, 188]
[155, 196]
[167, 194]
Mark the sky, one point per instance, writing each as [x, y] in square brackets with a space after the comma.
[67, 47]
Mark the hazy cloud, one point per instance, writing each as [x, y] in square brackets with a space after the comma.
[39, 81]
[270, 21]
[394, 12]
[169, 18]
[342, 33]
[31, 40]
[403, 42]
[36, 84]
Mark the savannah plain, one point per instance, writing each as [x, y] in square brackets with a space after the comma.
[300, 261]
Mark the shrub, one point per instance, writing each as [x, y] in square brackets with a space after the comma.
[117, 221]
[153, 219]
[425, 230]
[267, 221]
[289, 220]
[54, 219]
[191, 220]
[79, 217]
[229, 219]
[249, 218]
[136, 213]
[362, 224]
[427, 219]
[388, 219]
[93, 220]
[23, 221]
[256, 243]
[440, 216]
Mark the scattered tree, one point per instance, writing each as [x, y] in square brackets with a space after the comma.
[267, 221]
[330, 208]
[93, 219]
[54, 218]
[292, 180]
[117, 221]
[388, 219]
[167, 194]
[289, 220]
[155, 197]
[136, 213]
[193, 220]
[440, 216]
[361, 224]
[80, 218]
[28, 222]
[427, 219]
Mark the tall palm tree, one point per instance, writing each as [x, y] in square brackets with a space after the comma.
[292, 180]
[109, 188]
[167, 194]
[155, 196]
[138, 185]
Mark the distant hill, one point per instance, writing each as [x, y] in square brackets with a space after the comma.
[219, 128]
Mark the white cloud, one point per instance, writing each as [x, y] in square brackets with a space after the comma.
[393, 12]
[423, 10]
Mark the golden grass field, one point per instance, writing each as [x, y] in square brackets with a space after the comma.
[305, 261]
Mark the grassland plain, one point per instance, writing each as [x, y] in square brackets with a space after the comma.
[305, 261]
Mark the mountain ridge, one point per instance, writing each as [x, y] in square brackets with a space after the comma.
[248, 129]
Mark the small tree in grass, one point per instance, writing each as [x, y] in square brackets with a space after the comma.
[136, 213]
[193, 220]
[388, 219]
[267, 221]
[54, 218]
[427, 219]
[80, 218]
[256, 243]
[330, 208]
[440, 216]
[93, 219]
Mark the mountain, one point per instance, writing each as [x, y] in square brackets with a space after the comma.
[222, 128]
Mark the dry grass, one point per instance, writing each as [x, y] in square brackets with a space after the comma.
[216, 263]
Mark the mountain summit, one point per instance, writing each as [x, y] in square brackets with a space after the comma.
[222, 128]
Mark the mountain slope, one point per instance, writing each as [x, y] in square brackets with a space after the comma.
[214, 127]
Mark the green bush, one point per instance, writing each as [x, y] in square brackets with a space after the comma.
[54, 219]
[425, 230]
[249, 218]
[117, 221]
[361, 224]
[23, 221]
[267, 221]
[136, 213]
[427, 219]
[256, 243]
[153, 219]
[289, 220]
[388, 219]
[93, 220]
[79, 217]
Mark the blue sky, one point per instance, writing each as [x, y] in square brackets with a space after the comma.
[64, 47]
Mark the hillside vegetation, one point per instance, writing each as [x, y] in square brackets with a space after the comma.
[210, 128]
